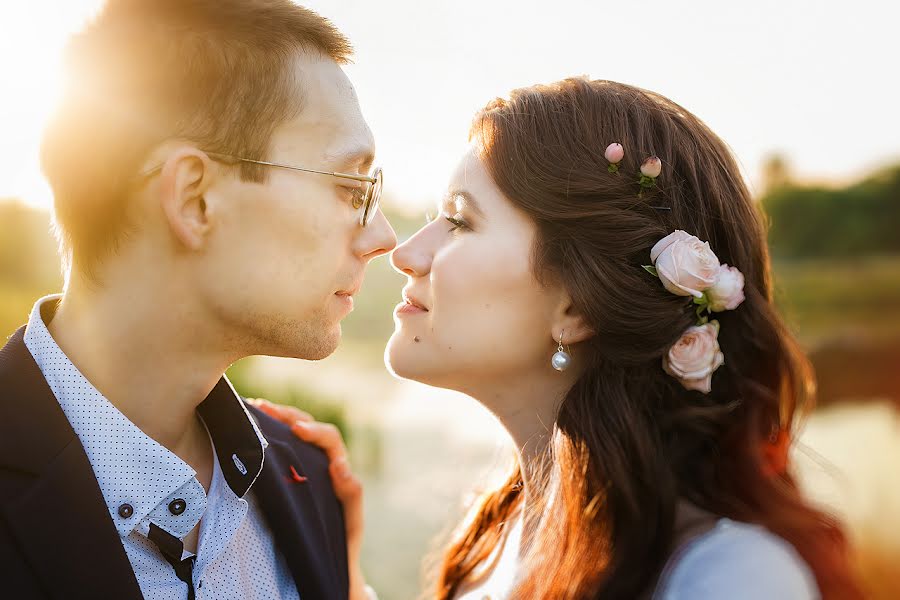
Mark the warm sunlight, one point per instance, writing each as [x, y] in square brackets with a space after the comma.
[519, 357]
[422, 69]
[32, 36]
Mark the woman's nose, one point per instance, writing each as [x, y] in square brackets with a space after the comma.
[413, 257]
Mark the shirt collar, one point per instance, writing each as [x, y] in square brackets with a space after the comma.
[106, 434]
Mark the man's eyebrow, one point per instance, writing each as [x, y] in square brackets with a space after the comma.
[359, 156]
[468, 198]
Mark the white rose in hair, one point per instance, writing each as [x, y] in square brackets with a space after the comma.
[685, 265]
[695, 357]
[727, 292]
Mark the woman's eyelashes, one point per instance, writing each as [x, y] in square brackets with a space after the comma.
[457, 221]
[459, 224]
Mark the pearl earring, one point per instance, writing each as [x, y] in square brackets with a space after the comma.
[561, 360]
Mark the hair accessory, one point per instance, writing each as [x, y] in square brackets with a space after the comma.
[561, 360]
[650, 170]
[614, 153]
[688, 267]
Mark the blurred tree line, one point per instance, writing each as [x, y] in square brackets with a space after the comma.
[29, 267]
[837, 272]
[832, 222]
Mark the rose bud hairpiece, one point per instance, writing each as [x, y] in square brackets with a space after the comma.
[614, 153]
[650, 170]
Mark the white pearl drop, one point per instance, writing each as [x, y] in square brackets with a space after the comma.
[561, 361]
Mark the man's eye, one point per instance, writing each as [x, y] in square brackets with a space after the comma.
[357, 196]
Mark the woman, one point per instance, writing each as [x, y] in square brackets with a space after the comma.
[599, 279]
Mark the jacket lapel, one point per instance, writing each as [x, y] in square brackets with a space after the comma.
[59, 517]
[296, 523]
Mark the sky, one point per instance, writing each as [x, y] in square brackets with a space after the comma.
[807, 79]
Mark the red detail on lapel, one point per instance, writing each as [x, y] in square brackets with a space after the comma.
[297, 477]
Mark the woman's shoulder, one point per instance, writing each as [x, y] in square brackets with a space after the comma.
[738, 561]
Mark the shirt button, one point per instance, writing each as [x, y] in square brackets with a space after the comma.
[126, 510]
[176, 507]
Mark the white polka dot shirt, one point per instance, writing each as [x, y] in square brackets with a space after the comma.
[142, 482]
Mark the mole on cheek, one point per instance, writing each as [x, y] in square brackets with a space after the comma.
[416, 339]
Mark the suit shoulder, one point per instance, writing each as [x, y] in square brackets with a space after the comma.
[312, 456]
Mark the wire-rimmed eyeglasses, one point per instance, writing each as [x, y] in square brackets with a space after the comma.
[368, 200]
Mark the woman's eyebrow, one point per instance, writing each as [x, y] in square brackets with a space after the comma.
[467, 198]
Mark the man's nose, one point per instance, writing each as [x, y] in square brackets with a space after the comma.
[377, 238]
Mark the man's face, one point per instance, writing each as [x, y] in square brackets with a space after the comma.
[286, 255]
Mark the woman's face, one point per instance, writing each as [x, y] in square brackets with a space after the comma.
[473, 312]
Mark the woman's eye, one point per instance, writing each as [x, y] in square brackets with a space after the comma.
[458, 223]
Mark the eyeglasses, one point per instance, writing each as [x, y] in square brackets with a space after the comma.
[368, 201]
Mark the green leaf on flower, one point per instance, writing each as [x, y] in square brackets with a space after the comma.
[651, 269]
[647, 182]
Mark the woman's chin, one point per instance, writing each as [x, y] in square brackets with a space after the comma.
[404, 359]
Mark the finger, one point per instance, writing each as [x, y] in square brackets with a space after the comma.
[347, 486]
[324, 435]
[286, 414]
[349, 490]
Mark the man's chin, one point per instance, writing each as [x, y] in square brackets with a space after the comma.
[308, 345]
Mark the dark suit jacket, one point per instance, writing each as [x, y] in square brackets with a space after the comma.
[57, 539]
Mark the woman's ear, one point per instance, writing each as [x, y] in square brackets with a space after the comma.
[184, 180]
[569, 323]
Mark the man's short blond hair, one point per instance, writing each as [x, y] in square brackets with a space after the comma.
[215, 72]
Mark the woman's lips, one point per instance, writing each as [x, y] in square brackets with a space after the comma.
[408, 308]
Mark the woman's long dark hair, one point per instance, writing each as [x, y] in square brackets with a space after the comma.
[630, 442]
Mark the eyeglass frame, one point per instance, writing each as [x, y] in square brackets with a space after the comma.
[369, 204]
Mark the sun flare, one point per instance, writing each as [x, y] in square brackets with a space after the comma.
[31, 76]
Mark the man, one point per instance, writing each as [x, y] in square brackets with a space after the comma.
[214, 199]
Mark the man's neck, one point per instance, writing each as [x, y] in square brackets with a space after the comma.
[152, 361]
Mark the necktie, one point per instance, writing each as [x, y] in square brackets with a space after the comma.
[172, 548]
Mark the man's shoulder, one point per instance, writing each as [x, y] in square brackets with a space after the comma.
[13, 353]
[312, 457]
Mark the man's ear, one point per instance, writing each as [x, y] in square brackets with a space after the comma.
[569, 323]
[184, 180]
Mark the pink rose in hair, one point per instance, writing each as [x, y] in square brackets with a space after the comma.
[695, 357]
[614, 153]
[685, 265]
[728, 291]
[651, 167]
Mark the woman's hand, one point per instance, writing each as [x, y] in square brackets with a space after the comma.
[346, 485]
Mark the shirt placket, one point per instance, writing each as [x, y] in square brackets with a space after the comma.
[225, 514]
